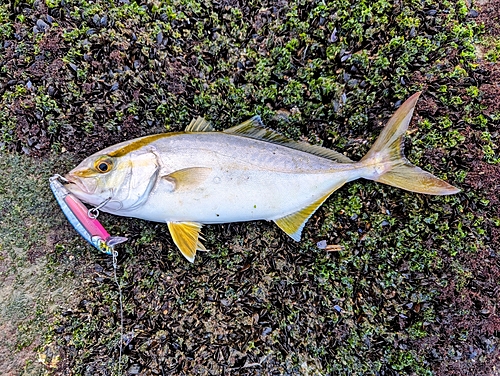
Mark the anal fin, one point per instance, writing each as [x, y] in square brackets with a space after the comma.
[294, 223]
[186, 236]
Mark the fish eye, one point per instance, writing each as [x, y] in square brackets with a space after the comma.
[103, 165]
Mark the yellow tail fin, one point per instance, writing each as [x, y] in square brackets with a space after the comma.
[390, 165]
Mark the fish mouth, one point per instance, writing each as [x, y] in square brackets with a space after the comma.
[85, 186]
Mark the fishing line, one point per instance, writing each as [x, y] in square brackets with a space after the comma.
[94, 213]
[93, 232]
[115, 266]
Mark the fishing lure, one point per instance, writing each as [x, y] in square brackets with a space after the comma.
[82, 219]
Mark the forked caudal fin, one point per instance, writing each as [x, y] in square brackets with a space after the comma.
[390, 165]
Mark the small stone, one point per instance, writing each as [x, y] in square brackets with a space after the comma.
[134, 369]
[345, 57]
[333, 37]
[41, 25]
[473, 13]
[159, 37]
[32, 141]
[321, 244]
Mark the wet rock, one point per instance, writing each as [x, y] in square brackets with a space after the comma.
[41, 26]
[333, 36]
[159, 37]
[134, 369]
[473, 13]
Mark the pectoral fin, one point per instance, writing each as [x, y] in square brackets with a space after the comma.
[293, 223]
[186, 236]
[188, 178]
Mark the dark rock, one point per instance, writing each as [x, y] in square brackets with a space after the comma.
[41, 25]
[134, 369]
[473, 13]
[333, 37]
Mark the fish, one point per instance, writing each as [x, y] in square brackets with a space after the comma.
[248, 172]
[82, 220]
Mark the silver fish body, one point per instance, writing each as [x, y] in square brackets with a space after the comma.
[228, 178]
[247, 172]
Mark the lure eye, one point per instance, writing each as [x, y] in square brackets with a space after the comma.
[103, 165]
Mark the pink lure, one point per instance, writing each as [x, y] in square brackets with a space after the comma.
[80, 218]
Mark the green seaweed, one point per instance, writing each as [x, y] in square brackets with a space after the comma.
[327, 72]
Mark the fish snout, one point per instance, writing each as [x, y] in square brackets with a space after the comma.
[86, 185]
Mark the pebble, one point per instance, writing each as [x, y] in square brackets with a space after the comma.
[134, 369]
[473, 13]
[333, 37]
[41, 25]
[321, 244]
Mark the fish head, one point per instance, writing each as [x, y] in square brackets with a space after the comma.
[123, 181]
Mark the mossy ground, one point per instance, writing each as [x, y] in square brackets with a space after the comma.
[415, 290]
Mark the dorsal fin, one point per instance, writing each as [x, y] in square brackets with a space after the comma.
[199, 125]
[254, 128]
